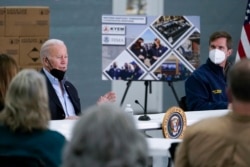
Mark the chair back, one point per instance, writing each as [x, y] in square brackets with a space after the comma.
[172, 150]
[182, 103]
[19, 161]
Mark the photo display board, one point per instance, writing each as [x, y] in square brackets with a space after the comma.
[156, 48]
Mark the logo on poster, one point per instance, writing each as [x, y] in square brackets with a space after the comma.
[113, 29]
[113, 40]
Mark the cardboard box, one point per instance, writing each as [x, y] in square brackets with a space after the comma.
[10, 46]
[27, 21]
[30, 51]
[2, 21]
[37, 68]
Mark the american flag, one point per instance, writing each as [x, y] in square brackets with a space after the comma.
[244, 44]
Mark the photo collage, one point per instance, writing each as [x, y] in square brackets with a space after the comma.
[156, 48]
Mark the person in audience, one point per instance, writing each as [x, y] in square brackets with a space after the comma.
[25, 119]
[8, 69]
[222, 141]
[206, 88]
[64, 100]
[105, 136]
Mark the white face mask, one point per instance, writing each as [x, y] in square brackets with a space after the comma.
[142, 44]
[217, 56]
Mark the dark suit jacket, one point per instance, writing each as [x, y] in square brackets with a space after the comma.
[55, 106]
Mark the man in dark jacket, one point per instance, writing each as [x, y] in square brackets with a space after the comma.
[64, 101]
[206, 87]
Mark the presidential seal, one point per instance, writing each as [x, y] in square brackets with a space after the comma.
[174, 123]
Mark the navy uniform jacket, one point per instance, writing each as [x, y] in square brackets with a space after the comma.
[55, 106]
[206, 88]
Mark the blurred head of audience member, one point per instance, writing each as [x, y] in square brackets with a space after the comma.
[8, 69]
[25, 118]
[105, 136]
[238, 87]
[26, 102]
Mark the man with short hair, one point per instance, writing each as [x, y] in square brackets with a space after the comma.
[206, 87]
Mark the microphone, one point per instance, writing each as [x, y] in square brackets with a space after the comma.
[143, 117]
[137, 102]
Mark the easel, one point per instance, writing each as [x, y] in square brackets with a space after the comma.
[125, 93]
[144, 117]
[170, 83]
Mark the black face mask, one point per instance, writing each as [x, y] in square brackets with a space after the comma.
[59, 74]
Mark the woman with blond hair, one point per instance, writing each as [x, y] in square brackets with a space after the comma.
[8, 69]
[25, 118]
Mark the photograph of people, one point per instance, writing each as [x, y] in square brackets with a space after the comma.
[148, 48]
[139, 50]
[124, 67]
[156, 51]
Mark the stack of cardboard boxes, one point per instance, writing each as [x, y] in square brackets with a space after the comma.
[23, 30]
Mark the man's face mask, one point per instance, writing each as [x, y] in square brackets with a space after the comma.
[59, 74]
[217, 56]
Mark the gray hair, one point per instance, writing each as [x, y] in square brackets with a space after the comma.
[105, 136]
[26, 104]
[44, 52]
